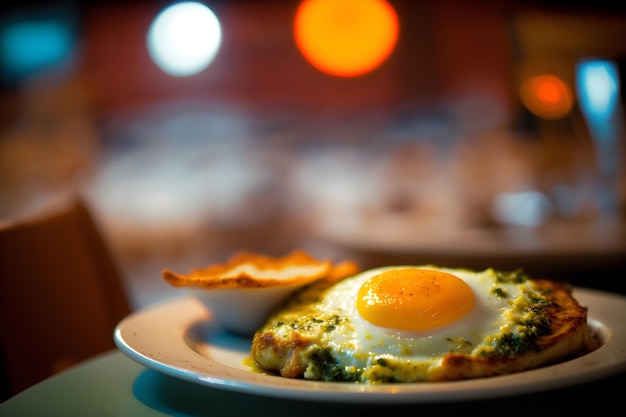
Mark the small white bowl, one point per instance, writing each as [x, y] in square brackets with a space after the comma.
[243, 310]
[242, 293]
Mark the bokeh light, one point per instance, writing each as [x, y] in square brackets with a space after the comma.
[524, 208]
[598, 88]
[346, 37]
[34, 43]
[547, 96]
[184, 38]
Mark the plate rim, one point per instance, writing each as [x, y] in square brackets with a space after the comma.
[168, 352]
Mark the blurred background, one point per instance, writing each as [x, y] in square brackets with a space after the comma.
[466, 134]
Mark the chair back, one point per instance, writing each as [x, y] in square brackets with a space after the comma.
[61, 293]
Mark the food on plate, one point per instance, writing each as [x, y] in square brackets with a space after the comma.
[242, 292]
[422, 323]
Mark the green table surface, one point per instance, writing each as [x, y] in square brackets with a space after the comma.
[113, 385]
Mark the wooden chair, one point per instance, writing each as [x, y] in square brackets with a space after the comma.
[61, 293]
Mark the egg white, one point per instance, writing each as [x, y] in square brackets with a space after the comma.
[356, 340]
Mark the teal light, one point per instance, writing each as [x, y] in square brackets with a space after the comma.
[28, 46]
[598, 89]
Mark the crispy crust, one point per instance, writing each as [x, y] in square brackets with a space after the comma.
[284, 352]
[251, 270]
[281, 354]
[570, 336]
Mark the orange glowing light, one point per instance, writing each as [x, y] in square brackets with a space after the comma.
[547, 96]
[346, 37]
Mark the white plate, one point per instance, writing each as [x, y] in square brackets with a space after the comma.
[179, 338]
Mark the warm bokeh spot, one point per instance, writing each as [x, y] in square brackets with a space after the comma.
[346, 37]
[547, 96]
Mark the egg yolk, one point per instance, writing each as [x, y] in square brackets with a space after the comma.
[414, 299]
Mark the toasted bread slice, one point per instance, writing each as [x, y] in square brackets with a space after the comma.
[301, 341]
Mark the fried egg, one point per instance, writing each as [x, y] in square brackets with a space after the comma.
[407, 323]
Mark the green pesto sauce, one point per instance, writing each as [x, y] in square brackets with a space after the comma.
[531, 322]
[311, 325]
[499, 292]
[323, 366]
[517, 276]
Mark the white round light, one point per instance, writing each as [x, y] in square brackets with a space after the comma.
[184, 38]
